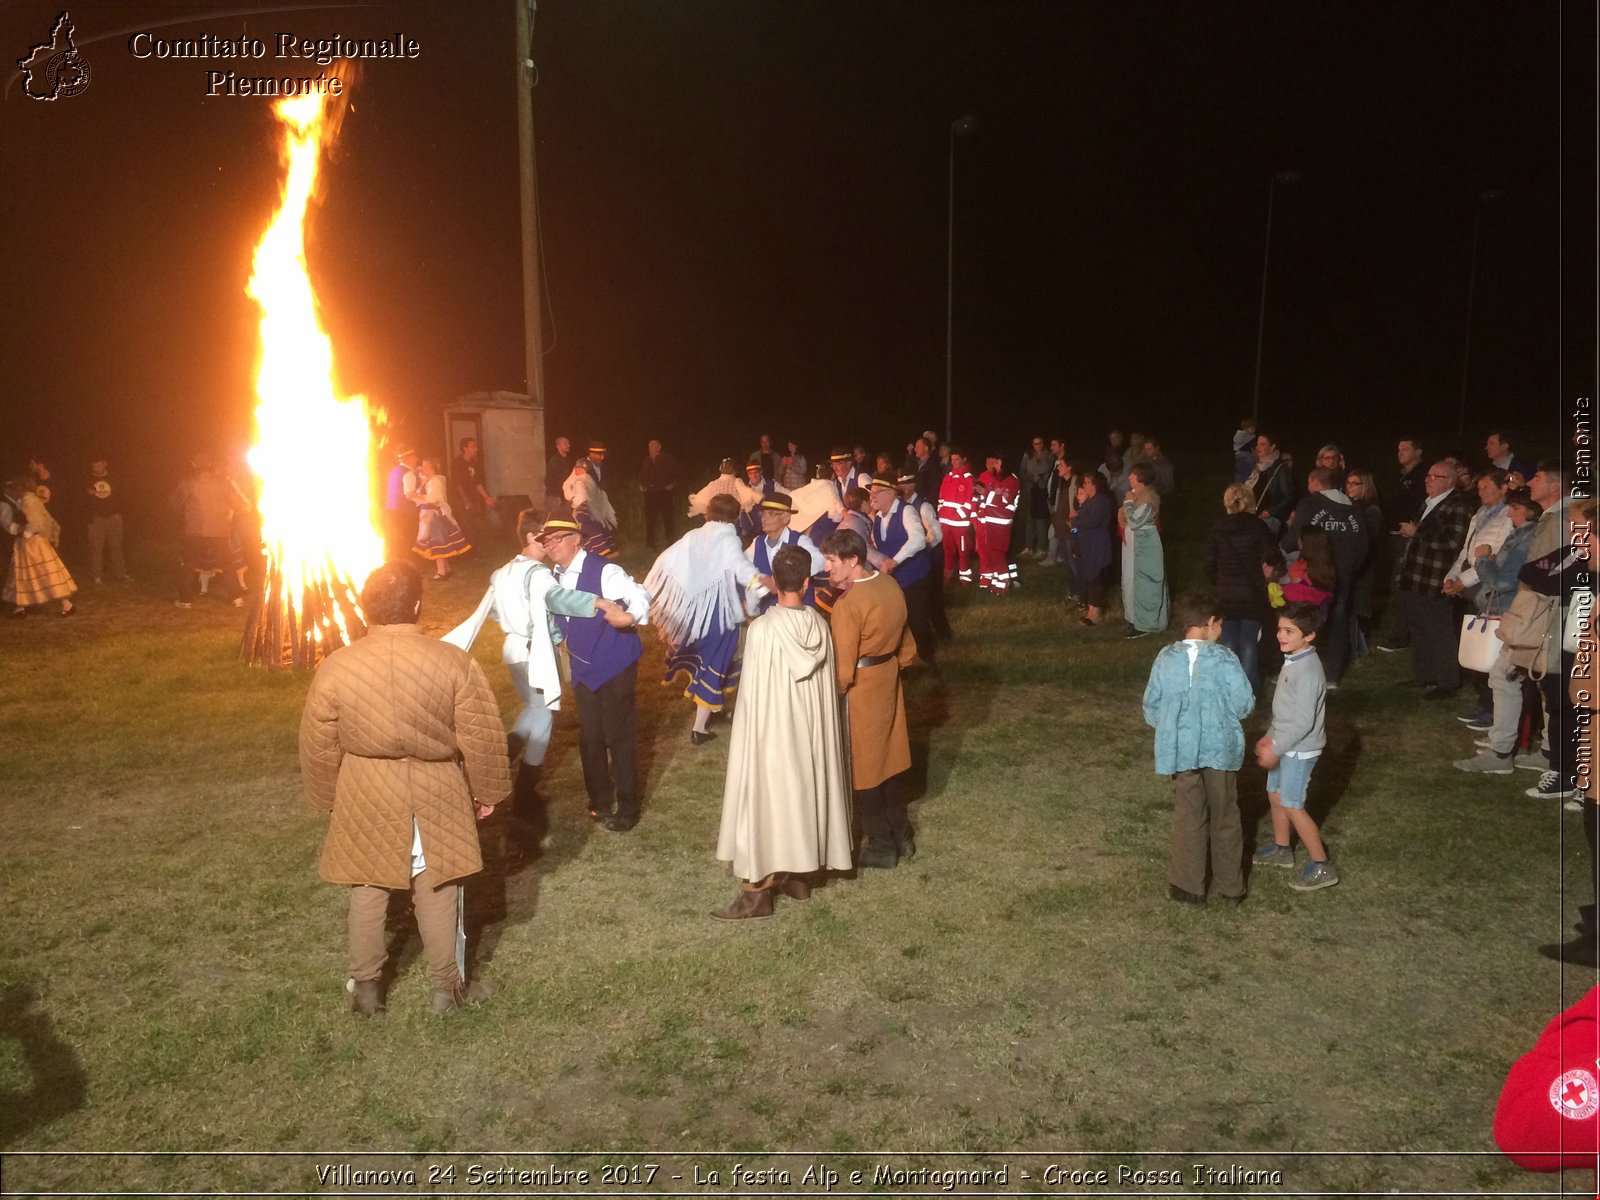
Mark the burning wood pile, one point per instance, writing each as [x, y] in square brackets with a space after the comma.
[313, 449]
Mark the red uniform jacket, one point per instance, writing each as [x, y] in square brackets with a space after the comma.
[996, 499]
[1547, 1118]
[955, 499]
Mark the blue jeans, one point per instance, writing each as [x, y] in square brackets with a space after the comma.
[1244, 639]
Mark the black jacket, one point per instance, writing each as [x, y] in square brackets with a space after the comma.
[1240, 543]
[1345, 525]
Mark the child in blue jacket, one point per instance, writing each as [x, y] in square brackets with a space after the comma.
[1196, 699]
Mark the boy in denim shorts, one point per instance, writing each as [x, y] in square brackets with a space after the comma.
[1290, 749]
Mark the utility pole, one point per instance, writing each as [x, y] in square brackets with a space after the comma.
[1261, 316]
[532, 296]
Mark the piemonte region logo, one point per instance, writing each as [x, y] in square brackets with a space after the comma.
[55, 68]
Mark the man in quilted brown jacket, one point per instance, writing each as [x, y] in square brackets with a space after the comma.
[401, 741]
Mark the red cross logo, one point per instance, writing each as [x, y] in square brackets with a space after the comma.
[1575, 1095]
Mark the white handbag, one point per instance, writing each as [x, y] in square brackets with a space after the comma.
[1479, 644]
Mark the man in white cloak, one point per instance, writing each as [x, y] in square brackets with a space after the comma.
[786, 800]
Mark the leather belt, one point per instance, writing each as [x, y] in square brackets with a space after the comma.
[872, 660]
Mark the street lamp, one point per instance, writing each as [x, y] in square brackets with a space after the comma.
[1266, 260]
[1484, 198]
[958, 128]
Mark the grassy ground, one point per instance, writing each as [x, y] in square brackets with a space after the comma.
[172, 968]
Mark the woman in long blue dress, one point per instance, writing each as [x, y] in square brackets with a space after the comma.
[1144, 564]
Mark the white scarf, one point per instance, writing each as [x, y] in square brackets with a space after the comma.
[583, 492]
[693, 582]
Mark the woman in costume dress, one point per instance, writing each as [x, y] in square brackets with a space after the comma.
[597, 520]
[37, 575]
[1144, 566]
[439, 538]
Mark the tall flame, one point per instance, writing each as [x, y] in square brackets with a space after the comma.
[313, 448]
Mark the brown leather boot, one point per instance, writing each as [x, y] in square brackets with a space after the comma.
[449, 999]
[751, 904]
[366, 1000]
[796, 887]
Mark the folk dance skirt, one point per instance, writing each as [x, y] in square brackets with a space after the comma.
[711, 663]
[37, 574]
[597, 538]
[438, 536]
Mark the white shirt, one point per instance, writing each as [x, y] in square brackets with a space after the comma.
[933, 535]
[615, 585]
[517, 592]
[916, 539]
[802, 541]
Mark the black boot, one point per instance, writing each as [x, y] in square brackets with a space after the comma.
[528, 806]
[878, 848]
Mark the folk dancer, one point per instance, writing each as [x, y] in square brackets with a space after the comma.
[696, 590]
[524, 598]
[817, 506]
[786, 798]
[399, 510]
[871, 646]
[853, 516]
[898, 535]
[592, 508]
[775, 513]
[764, 485]
[596, 463]
[36, 574]
[847, 472]
[604, 662]
[911, 495]
[727, 483]
[439, 538]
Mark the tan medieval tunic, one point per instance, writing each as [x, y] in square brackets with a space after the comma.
[786, 801]
[870, 620]
[383, 723]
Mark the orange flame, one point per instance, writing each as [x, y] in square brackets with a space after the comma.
[313, 448]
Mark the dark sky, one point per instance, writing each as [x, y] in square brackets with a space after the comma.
[745, 219]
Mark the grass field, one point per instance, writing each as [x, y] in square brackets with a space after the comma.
[172, 967]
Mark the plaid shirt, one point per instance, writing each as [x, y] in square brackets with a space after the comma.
[1431, 551]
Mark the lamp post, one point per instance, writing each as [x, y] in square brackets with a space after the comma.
[1266, 261]
[1484, 198]
[958, 128]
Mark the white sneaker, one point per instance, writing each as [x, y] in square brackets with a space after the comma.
[1533, 760]
[1486, 763]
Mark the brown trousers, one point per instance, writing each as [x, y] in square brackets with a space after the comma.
[435, 905]
[1200, 799]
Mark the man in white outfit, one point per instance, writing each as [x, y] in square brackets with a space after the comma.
[523, 597]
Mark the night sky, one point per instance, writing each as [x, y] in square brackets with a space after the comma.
[744, 209]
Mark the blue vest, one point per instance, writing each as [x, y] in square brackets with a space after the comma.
[789, 537]
[598, 652]
[750, 522]
[934, 554]
[889, 536]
